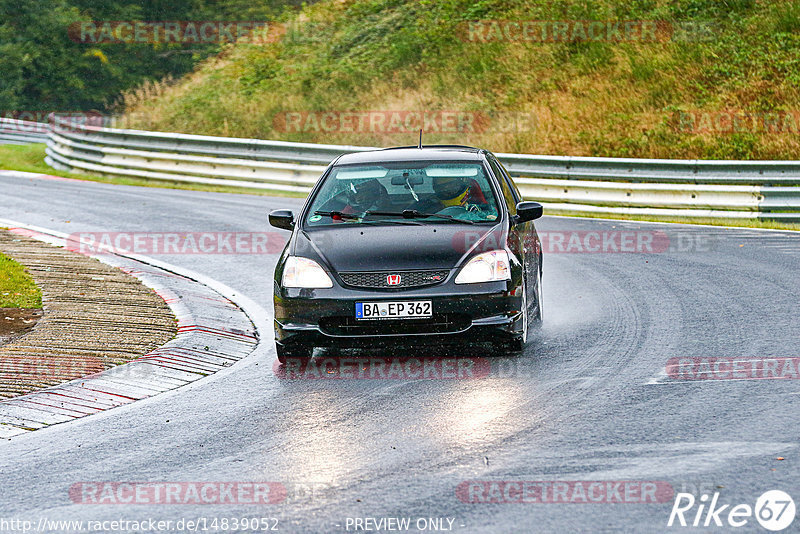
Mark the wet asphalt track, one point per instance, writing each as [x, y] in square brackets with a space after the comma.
[587, 401]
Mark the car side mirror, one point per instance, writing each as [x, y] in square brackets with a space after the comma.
[528, 211]
[283, 219]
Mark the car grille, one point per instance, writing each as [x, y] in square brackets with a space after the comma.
[379, 279]
[445, 323]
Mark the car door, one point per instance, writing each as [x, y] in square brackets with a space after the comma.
[518, 234]
[532, 247]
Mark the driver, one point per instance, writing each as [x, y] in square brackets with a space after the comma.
[369, 195]
[358, 198]
[459, 191]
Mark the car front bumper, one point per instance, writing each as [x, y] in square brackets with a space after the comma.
[326, 317]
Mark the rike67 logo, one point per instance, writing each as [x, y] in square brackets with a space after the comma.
[774, 510]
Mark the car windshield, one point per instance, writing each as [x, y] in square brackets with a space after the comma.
[424, 191]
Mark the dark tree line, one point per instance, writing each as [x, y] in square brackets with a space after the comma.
[43, 68]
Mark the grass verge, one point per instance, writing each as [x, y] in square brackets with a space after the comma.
[17, 289]
[30, 158]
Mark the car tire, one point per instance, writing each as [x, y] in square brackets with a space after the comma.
[516, 345]
[537, 320]
[513, 346]
[295, 350]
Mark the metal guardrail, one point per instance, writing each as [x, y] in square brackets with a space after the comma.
[17, 132]
[682, 189]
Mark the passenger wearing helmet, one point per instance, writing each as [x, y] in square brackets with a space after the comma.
[453, 191]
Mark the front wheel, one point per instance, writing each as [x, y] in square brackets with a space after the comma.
[293, 351]
[537, 319]
[516, 345]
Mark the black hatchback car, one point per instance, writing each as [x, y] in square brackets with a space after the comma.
[406, 245]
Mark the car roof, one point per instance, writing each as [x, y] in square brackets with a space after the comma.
[407, 153]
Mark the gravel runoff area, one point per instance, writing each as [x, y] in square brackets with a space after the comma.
[95, 317]
[16, 322]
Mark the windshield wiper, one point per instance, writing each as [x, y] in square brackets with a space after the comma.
[414, 214]
[339, 215]
[357, 216]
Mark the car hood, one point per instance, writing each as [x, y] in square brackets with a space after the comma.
[396, 247]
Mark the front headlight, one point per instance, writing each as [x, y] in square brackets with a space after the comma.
[304, 273]
[487, 267]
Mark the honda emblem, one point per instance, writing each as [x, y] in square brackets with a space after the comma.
[393, 279]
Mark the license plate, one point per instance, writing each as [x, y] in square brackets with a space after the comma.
[394, 310]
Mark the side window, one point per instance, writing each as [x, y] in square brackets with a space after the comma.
[511, 183]
[502, 179]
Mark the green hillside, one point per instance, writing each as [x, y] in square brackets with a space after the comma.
[599, 96]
